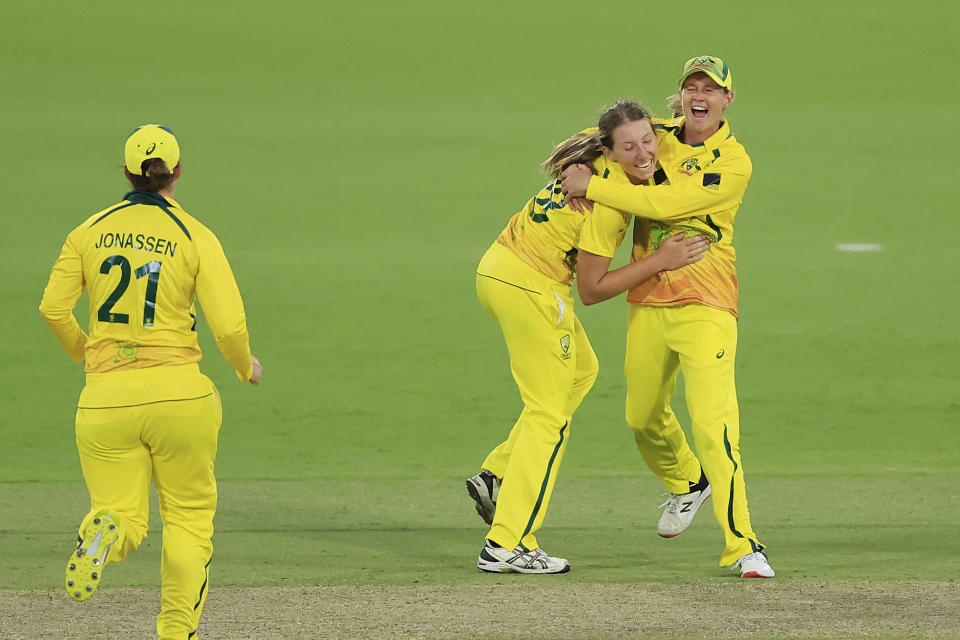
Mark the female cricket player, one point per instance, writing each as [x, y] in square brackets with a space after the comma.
[146, 410]
[524, 281]
[685, 320]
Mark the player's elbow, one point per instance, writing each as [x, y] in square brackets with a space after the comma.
[230, 334]
[589, 295]
[52, 312]
[227, 339]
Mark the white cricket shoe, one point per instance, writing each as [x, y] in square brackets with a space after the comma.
[678, 511]
[754, 565]
[497, 559]
[484, 488]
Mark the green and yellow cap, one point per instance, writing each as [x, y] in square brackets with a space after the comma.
[150, 141]
[713, 66]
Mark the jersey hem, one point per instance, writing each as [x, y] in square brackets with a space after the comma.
[682, 303]
[142, 404]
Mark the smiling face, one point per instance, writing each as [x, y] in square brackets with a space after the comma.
[635, 149]
[703, 102]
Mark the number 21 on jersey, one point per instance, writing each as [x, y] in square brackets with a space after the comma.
[152, 272]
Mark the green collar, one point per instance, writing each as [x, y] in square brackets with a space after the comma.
[146, 197]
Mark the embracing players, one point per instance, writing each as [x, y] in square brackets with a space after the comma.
[684, 320]
[524, 282]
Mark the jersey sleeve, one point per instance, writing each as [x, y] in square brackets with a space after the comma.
[718, 188]
[60, 297]
[603, 230]
[222, 305]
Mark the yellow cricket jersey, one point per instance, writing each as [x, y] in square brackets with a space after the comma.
[699, 186]
[545, 233]
[143, 262]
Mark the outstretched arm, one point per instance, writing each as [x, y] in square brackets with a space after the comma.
[720, 187]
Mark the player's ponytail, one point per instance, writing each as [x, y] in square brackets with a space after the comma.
[580, 148]
[156, 176]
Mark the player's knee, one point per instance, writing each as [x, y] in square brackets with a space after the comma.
[195, 527]
[132, 532]
[545, 420]
[589, 376]
[712, 436]
[645, 433]
[645, 423]
[710, 448]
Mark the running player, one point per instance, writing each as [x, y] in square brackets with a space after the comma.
[146, 410]
[686, 320]
[524, 281]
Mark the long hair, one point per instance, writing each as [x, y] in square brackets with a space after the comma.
[675, 104]
[580, 148]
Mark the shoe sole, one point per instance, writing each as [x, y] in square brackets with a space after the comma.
[503, 567]
[85, 570]
[481, 496]
[755, 574]
[695, 508]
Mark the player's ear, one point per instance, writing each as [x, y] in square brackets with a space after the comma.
[728, 99]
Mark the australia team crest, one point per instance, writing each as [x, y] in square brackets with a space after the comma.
[690, 166]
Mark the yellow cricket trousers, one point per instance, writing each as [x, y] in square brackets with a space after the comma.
[554, 367]
[158, 423]
[701, 342]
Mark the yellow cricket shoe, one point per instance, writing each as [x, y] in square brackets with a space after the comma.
[85, 567]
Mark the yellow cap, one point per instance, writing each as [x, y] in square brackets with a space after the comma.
[150, 141]
[713, 66]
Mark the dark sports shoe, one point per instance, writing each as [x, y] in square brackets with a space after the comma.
[483, 489]
[496, 559]
[85, 566]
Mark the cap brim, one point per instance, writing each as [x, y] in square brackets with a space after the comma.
[726, 84]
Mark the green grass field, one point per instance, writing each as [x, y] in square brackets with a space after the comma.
[356, 160]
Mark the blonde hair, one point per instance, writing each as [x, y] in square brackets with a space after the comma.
[580, 148]
[675, 104]
[584, 148]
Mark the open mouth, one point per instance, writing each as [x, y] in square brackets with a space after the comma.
[700, 112]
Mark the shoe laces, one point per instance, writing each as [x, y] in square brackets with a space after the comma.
[756, 555]
[672, 504]
[530, 558]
